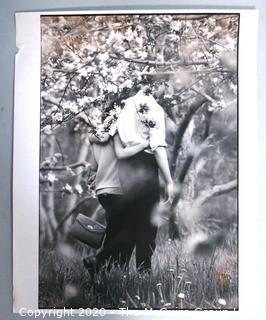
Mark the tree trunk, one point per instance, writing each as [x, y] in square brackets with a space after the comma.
[50, 194]
[181, 130]
[73, 198]
[174, 229]
[46, 229]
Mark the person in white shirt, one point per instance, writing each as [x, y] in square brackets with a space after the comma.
[142, 118]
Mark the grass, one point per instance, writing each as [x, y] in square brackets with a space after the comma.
[178, 280]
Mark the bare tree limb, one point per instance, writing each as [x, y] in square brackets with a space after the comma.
[67, 167]
[205, 95]
[205, 195]
[71, 117]
[205, 16]
[181, 130]
[47, 225]
[51, 100]
[194, 17]
[173, 224]
[212, 41]
[75, 72]
[118, 56]
[60, 150]
[207, 125]
[170, 73]
[193, 155]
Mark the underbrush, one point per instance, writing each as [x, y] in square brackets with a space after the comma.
[178, 280]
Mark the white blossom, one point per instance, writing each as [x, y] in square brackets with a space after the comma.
[139, 41]
[78, 189]
[84, 100]
[72, 107]
[51, 177]
[47, 129]
[103, 56]
[128, 54]
[222, 302]
[181, 295]
[176, 25]
[58, 117]
[128, 83]
[68, 188]
[70, 291]
[143, 54]
[83, 72]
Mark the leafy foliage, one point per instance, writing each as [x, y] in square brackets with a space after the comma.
[90, 62]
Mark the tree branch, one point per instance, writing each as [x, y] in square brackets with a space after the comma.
[170, 73]
[71, 117]
[182, 128]
[173, 230]
[62, 168]
[200, 17]
[212, 41]
[51, 100]
[205, 95]
[215, 191]
[118, 56]
[194, 17]
[193, 154]
[207, 125]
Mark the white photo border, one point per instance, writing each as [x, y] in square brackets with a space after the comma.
[26, 146]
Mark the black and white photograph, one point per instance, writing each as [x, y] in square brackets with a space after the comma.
[138, 196]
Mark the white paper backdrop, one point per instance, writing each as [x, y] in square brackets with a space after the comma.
[26, 164]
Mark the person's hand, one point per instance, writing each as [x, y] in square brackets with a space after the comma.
[104, 137]
[169, 188]
[145, 144]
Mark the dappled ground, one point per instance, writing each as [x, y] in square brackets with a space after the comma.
[178, 281]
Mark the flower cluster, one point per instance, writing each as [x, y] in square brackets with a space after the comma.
[107, 125]
[143, 111]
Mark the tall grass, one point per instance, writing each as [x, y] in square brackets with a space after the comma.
[178, 280]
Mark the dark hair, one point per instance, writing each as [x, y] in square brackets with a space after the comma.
[146, 79]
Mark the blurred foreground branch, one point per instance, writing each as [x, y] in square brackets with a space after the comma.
[193, 155]
[215, 191]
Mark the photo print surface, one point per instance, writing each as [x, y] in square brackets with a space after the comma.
[139, 161]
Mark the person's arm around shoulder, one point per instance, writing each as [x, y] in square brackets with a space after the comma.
[127, 152]
[99, 140]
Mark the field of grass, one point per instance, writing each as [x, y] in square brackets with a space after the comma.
[178, 280]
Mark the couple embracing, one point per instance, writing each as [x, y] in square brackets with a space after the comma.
[128, 161]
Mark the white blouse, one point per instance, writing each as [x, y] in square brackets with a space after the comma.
[142, 118]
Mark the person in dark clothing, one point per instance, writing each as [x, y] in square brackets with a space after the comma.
[141, 193]
[110, 195]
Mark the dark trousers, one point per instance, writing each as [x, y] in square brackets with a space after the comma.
[129, 216]
[117, 247]
[140, 182]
